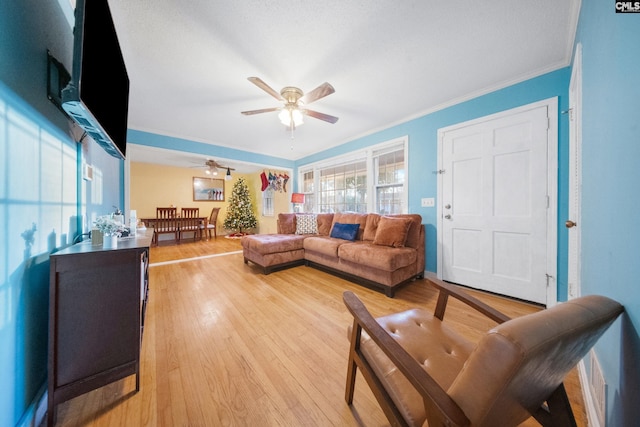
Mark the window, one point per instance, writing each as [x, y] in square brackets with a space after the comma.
[389, 173]
[343, 188]
[372, 180]
[307, 189]
[267, 202]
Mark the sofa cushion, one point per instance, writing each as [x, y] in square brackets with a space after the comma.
[286, 223]
[345, 231]
[306, 224]
[380, 257]
[392, 231]
[443, 358]
[323, 245]
[325, 220]
[351, 218]
[272, 243]
[371, 226]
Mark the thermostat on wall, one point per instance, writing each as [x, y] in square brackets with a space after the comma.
[87, 172]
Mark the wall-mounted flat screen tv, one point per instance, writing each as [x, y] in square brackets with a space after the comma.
[97, 97]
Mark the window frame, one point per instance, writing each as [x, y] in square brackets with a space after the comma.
[369, 155]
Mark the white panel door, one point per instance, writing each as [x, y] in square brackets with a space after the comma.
[494, 200]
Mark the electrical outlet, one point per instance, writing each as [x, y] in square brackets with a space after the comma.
[428, 202]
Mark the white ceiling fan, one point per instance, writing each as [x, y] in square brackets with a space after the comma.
[292, 112]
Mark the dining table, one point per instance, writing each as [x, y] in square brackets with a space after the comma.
[152, 222]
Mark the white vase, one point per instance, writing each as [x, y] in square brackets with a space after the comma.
[110, 241]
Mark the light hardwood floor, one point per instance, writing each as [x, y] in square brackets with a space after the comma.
[225, 345]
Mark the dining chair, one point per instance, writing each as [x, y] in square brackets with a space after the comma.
[190, 222]
[422, 371]
[166, 223]
[211, 225]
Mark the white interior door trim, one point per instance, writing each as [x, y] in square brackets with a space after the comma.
[575, 175]
[552, 188]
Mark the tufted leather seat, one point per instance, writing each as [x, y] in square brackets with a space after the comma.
[423, 373]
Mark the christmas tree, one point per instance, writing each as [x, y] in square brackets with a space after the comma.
[240, 211]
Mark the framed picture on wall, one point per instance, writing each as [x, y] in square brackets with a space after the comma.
[208, 189]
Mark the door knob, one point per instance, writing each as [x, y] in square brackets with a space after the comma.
[447, 216]
[569, 224]
[447, 206]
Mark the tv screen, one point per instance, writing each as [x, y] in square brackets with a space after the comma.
[97, 97]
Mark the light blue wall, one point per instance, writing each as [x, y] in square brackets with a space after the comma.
[611, 199]
[39, 184]
[423, 150]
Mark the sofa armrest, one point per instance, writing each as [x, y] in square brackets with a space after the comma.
[446, 290]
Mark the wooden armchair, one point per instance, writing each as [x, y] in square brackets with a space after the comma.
[424, 373]
[190, 222]
[166, 223]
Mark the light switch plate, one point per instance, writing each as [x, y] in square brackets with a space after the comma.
[428, 202]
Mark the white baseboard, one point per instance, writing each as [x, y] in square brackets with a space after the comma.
[589, 404]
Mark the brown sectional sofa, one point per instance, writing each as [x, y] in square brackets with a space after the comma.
[387, 252]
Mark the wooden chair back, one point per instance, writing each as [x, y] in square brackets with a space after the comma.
[190, 213]
[211, 225]
[166, 223]
[166, 213]
[189, 222]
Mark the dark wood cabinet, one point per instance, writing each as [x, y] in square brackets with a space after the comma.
[96, 316]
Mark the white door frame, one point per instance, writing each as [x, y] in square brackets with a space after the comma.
[575, 175]
[552, 188]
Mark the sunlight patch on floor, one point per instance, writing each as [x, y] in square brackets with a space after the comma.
[156, 264]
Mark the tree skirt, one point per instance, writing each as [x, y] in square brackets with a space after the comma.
[235, 235]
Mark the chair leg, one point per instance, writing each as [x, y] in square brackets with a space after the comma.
[352, 367]
[558, 412]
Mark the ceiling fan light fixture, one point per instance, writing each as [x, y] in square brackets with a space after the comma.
[291, 117]
[296, 115]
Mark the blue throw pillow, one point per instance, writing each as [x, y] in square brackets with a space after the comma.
[345, 231]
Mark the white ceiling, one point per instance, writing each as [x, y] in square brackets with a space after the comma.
[389, 61]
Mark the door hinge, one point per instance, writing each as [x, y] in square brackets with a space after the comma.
[549, 278]
[438, 172]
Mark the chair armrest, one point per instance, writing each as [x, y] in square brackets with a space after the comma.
[438, 404]
[447, 290]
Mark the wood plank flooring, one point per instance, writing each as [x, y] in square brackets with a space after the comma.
[225, 345]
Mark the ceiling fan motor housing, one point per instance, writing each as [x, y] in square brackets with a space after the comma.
[291, 94]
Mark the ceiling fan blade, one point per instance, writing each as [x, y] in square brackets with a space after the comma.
[265, 87]
[321, 116]
[320, 92]
[217, 165]
[264, 110]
